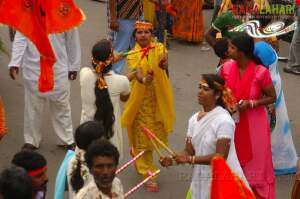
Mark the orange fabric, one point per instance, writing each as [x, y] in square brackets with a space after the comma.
[36, 19]
[225, 184]
[188, 23]
[62, 15]
[3, 128]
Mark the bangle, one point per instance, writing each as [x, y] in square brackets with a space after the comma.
[190, 159]
[252, 103]
[193, 160]
[188, 139]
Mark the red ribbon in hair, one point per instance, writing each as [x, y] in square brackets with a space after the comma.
[36, 172]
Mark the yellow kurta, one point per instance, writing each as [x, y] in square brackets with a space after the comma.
[150, 105]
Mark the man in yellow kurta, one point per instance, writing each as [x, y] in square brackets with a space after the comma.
[151, 99]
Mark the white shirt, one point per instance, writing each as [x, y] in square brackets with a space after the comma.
[66, 47]
[91, 191]
[117, 85]
[216, 124]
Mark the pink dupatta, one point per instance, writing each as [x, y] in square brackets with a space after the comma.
[241, 86]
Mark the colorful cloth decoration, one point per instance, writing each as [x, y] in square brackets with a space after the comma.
[100, 66]
[143, 25]
[36, 19]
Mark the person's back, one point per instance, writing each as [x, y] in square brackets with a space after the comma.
[102, 90]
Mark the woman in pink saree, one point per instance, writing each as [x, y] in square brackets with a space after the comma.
[251, 84]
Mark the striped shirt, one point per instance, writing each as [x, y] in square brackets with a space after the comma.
[129, 9]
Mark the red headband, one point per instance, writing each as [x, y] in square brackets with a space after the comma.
[36, 172]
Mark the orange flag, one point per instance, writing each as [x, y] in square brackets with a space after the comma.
[62, 15]
[36, 19]
[225, 184]
[3, 129]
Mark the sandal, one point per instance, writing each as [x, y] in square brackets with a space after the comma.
[152, 186]
[293, 69]
[28, 147]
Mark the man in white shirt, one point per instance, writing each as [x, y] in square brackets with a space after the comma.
[102, 158]
[66, 47]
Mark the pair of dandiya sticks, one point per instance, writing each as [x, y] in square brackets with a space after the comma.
[135, 188]
[151, 137]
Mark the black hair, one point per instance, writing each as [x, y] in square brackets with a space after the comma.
[85, 134]
[15, 184]
[89, 131]
[101, 148]
[29, 160]
[105, 110]
[221, 48]
[210, 80]
[245, 44]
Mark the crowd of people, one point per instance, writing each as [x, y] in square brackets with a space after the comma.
[243, 115]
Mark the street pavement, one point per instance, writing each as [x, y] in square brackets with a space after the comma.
[186, 62]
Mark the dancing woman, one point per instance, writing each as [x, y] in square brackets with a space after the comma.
[210, 132]
[151, 99]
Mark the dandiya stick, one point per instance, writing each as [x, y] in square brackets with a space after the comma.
[141, 183]
[156, 148]
[165, 41]
[130, 162]
[148, 132]
[154, 144]
[137, 51]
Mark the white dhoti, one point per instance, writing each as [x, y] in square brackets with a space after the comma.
[60, 115]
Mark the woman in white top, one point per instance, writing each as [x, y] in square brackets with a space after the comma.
[102, 90]
[210, 132]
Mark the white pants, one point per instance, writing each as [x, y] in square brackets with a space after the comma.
[60, 114]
